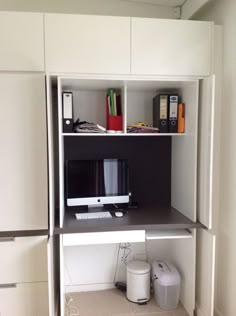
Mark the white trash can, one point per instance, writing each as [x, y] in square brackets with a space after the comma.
[138, 281]
[166, 283]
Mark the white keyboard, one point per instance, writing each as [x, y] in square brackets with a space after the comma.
[95, 215]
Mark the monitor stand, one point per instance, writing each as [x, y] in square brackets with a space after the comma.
[95, 208]
[89, 208]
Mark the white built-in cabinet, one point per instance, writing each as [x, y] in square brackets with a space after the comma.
[22, 41]
[23, 181]
[170, 47]
[139, 57]
[87, 44]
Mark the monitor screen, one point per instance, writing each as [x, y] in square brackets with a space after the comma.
[96, 182]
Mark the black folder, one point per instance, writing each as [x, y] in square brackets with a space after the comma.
[160, 112]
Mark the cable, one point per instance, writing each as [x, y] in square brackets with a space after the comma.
[71, 310]
[124, 258]
[117, 259]
[146, 250]
[125, 247]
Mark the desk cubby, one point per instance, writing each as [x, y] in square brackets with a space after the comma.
[82, 261]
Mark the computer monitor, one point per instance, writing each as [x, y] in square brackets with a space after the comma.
[96, 182]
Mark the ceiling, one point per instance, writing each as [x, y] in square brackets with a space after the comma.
[168, 3]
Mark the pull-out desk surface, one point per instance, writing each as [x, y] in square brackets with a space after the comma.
[132, 227]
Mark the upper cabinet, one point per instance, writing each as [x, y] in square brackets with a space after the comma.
[87, 44]
[22, 41]
[171, 47]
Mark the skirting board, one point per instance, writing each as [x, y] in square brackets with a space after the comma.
[217, 312]
[88, 287]
[198, 312]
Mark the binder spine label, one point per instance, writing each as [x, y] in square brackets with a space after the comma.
[163, 108]
[160, 112]
[173, 113]
[67, 105]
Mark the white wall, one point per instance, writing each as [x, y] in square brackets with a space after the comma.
[224, 12]
[100, 7]
[190, 7]
[96, 267]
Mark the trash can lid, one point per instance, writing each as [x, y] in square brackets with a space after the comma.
[138, 267]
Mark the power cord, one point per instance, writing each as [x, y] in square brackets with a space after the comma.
[126, 247]
[71, 310]
[126, 252]
[117, 259]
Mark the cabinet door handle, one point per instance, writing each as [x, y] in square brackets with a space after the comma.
[7, 239]
[7, 286]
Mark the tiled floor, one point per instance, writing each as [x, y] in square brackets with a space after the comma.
[113, 303]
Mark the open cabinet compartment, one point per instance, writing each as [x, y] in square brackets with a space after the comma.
[81, 264]
[90, 99]
[140, 94]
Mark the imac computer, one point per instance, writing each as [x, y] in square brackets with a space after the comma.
[95, 183]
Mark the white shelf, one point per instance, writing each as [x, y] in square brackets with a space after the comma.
[103, 238]
[123, 134]
[168, 234]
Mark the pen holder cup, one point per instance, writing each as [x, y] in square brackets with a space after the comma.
[115, 123]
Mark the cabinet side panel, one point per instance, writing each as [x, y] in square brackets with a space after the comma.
[184, 158]
[205, 273]
[206, 151]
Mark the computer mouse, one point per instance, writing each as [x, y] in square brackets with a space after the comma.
[119, 214]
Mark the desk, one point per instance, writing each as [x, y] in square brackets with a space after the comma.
[148, 218]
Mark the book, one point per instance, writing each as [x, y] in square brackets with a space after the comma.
[111, 95]
[115, 106]
[118, 105]
[181, 118]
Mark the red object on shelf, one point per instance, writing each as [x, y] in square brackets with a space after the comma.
[114, 122]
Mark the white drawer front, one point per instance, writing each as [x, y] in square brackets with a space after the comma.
[23, 260]
[24, 300]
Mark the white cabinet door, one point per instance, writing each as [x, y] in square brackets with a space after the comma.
[23, 259]
[22, 41]
[24, 299]
[170, 47]
[23, 168]
[87, 44]
[206, 156]
[205, 273]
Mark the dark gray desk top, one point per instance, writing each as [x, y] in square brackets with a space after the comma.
[24, 233]
[148, 218]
